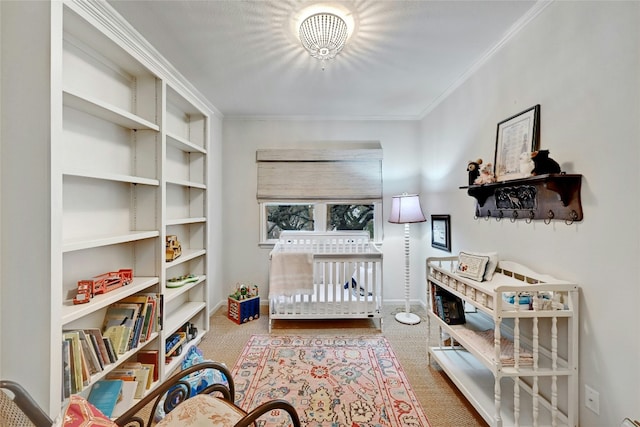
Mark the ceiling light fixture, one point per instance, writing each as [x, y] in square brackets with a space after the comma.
[323, 35]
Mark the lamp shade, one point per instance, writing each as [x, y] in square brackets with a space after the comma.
[406, 209]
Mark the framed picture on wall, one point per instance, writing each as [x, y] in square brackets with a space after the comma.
[441, 232]
[517, 136]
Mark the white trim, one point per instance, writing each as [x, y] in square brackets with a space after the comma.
[508, 35]
[101, 15]
[322, 118]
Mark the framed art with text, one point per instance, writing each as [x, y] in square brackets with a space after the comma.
[517, 136]
[441, 232]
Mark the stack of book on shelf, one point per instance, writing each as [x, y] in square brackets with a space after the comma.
[131, 321]
[137, 373]
[447, 306]
[86, 352]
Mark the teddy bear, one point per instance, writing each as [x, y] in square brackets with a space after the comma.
[473, 168]
[526, 165]
[544, 164]
[486, 175]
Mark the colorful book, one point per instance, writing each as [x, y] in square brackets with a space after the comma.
[113, 356]
[126, 402]
[141, 373]
[66, 370]
[99, 342]
[89, 353]
[105, 394]
[81, 373]
[119, 335]
[149, 357]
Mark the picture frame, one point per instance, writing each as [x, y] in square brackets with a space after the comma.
[441, 232]
[516, 135]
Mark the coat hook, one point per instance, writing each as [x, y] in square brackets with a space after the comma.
[486, 218]
[514, 216]
[549, 217]
[572, 217]
[531, 216]
[500, 216]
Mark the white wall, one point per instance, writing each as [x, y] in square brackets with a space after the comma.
[580, 61]
[244, 260]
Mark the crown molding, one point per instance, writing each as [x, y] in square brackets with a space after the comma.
[101, 15]
[521, 23]
[294, 118]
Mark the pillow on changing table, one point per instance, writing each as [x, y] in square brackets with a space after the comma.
[478, 266]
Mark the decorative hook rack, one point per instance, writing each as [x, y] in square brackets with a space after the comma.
[546, 197]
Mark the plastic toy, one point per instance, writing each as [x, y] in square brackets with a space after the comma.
[176, 282]
[102, 284]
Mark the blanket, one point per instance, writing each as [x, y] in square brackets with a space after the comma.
[291, 273]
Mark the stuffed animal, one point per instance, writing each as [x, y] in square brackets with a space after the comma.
[474, 170]
[486, 175]
[543, 163]
[526, 165]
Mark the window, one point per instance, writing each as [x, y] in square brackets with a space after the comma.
[335, 187]
[320, 216]
[288, 217]
[351, 217]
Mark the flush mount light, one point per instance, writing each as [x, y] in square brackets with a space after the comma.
[323, 35]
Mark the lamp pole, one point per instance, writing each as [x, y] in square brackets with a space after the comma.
[407, 317]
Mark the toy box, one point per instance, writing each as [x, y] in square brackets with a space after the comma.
[242, 311]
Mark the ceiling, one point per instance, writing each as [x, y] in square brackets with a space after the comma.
[402, 58]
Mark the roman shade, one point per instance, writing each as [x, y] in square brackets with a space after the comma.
[320, 174]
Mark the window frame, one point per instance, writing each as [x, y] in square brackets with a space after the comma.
[320, 216]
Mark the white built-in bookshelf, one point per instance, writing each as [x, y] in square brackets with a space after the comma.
[128, 166]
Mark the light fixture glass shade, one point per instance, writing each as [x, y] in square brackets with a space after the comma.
[406, 209]
[323, 35]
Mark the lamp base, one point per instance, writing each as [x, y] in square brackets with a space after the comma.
[408, 318]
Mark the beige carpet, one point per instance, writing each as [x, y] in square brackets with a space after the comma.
[443, 404]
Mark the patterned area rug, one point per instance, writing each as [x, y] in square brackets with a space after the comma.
[331, 381]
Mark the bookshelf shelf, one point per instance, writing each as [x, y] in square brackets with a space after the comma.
[173, 293]
[114, 177]
[71, 312]
[187, 184]
[107, 112]
[98, 241]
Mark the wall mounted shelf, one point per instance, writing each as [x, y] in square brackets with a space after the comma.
[547, 197]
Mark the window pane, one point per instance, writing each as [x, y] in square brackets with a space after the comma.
[350, 217]
[288, 217]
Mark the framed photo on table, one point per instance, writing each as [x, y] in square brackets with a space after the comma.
[516, 135]
[441, 232]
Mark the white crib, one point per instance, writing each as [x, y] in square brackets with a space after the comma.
[347, 275]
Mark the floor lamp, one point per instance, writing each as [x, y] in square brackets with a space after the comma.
[405, 209]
